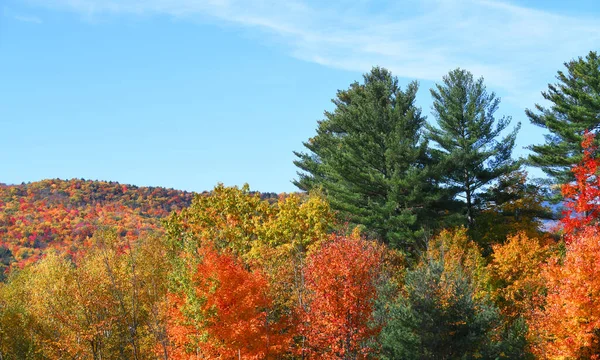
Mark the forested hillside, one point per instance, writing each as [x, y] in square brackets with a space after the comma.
[63, 214]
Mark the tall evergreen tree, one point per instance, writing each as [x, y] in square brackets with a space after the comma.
[469, 151]
[370, 158]
[575, 108]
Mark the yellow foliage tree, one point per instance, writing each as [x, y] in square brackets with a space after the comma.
[516, 274]
[106, 303]
[457, 251]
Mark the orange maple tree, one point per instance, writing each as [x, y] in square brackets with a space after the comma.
[582, 197]
[341, 282]
[568, 324]
[231, 315]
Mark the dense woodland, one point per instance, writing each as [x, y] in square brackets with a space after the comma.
[412, 238]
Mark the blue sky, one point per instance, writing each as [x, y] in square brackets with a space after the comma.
[188, 93]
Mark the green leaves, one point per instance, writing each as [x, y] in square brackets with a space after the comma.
[443, 311]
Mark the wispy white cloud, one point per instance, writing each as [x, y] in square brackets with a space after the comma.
[29, 19]
[21, 17]
[512, 46]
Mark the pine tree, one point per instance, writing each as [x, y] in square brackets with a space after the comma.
[575, 108]
[372, 161]
[444, 311]
[469, 151]
[439, 317]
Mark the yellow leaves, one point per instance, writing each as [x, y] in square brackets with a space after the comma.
[228, 217]
[105, 303]
[515, 270]
[458, 252]
[297, 224]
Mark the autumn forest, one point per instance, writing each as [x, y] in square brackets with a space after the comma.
[408, 238]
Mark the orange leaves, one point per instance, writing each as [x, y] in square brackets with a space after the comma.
[582, 197]
[569, 323]
[233, 303]
[341, 282]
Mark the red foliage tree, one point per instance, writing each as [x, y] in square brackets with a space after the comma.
[341, 281]
[568, 325]
[233, 306]
[582, 197]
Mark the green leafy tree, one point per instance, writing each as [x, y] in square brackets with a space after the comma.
[370, 157]
[470, 151]
[575, 108]
[6, 259]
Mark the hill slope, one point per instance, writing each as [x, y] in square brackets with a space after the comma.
[63, 214]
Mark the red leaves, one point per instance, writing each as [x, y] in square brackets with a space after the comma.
[341, 282]
[228, 314]
[582, 197]
[568, 324]
[63, 214]
[234, 306]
